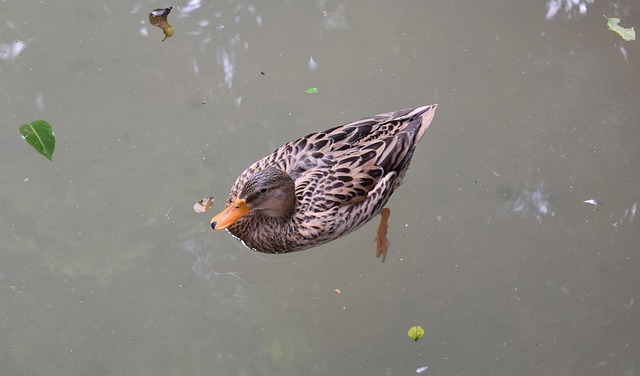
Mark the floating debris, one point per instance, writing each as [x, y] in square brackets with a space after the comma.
[627, 34]
[39, 135]
[593, 202]
[203, 205]
[416, 332]
[158, 17]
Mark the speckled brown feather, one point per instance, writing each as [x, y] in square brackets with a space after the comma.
[343, 178]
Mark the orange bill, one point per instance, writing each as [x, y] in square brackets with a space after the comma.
[229, 215]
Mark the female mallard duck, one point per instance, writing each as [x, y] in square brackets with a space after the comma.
[322, 186]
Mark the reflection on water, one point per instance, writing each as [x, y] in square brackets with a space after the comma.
[10, 51]
[570, 7]
[334, 19]
[204, 262]
[190, 7]
[526, 203]
[227, 61]
[627, 216]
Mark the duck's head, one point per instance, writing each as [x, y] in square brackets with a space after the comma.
[271, 191]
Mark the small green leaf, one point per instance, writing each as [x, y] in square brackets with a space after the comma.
[627, 34]
[416, 332]
[39, 134]
[311, 90]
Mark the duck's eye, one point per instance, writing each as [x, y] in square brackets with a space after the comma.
[263, 190]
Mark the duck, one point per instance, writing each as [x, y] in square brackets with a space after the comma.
[322, 186]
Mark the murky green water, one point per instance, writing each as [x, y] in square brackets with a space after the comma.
[105, 269]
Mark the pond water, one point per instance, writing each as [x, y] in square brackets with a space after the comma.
[514, 239]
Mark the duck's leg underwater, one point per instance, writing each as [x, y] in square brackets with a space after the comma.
[382, 244]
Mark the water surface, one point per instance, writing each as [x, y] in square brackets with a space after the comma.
[105, 269]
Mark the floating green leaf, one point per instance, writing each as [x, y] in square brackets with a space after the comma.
[39, 134]
[416, 332]
[311, 90]
[627, 34]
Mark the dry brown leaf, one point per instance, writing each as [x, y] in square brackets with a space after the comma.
[203, 205]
